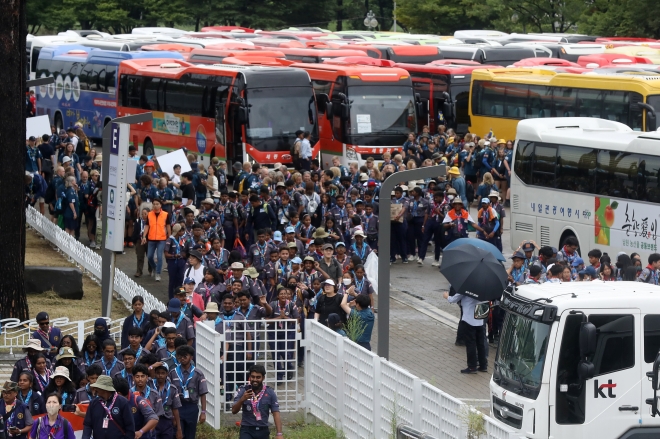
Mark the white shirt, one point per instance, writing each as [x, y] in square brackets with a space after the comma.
[305, 149]
[197, 274]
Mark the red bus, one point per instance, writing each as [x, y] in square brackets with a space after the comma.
[400, 54]
[444, 92]
[603, 59]
[363, 111]
[239, 113]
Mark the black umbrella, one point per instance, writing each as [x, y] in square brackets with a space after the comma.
[474, 272]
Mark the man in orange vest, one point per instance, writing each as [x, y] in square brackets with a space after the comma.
[156, 232]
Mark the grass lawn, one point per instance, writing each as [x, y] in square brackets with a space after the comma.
[40, 252]
[292, 430]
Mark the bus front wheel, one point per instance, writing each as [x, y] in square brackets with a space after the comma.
[148, 147]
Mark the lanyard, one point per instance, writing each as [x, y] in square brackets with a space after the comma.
[28, 362]
[362, 251]
[262, 252]
[179, 373]
[246, 314]
[43, 383]
[229, 319]
[516, 274]
[359, 284]
[89, 362]
[109, 409]
[147, 391]
[10, 422]
[89, 395]
[181, 316]
[107, 371]
[255, 401]
[26, 399]
[166, 389]
[138, 323]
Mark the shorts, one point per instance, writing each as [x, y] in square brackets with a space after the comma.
[41, 200]
[70, 223]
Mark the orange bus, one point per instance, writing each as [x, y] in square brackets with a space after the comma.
[364, 111]
[240, 113]
[444, 92]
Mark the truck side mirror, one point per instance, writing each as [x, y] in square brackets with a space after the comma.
[588, 339]
[328, 110]
[586, 370]
[655, 382]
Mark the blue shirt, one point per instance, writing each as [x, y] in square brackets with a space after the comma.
[459, 184]
[121, 415]
[468, 304]
[305, 150]
[31, 157]
[368, 319]
[267, 402]
[71, 196]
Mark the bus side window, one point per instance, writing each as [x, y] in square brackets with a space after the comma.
[523, 161]
[540, 102]
[570, 405]
[516, 101]
[153, 99]
[85, 77]
[635, 120]
[575, 167]
[648, 176]
[110, 79]
[100, 81]
[544, 166]
[616, 175]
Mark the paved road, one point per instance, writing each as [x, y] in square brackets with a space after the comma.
[422, 328]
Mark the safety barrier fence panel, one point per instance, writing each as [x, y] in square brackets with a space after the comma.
[16, 333]
[88, 260]
[365, 396]
[226, 351]
[207, 343]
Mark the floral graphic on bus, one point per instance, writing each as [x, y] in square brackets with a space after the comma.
[603, 220]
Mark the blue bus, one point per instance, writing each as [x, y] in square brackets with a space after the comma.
[85, 88]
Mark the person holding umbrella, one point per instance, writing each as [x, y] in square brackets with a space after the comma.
[457, 220]
[472, 331]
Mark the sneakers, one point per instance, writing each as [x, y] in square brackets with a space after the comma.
[415, 259]
[92, 245]
[158, 278]
[405, 261]
[420, 261]
[435, 264]
[152, 273]
[483, 369]
[469, 370]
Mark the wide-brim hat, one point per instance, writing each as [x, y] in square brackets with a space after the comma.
[454, 171]
[321, 233]
[252, 272]
[191, 209]
[98, 158]
[35, 344]
[457, 200]
[212, 307]
[10, 386]
[61, 371]
[65, 353]
[196, 254]
[237, 266]
[103, 382]
[208, 201]
[359, 233]
[494, 194]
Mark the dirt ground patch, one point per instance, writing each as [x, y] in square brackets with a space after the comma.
[40, 252]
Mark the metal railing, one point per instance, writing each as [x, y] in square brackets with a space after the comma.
[224, 360]
[88, 260]
[15, 333]
[365, 396]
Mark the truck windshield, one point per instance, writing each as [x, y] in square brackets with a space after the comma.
[381, 111]
[276, 113]
[521, 354]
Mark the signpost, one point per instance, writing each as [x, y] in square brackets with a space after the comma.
[114, 171]
[384, 229]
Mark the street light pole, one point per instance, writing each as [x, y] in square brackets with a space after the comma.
[107, 255]
[384, 231]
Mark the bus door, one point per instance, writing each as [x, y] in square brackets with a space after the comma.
[610, 401]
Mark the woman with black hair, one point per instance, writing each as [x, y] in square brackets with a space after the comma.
[137, 319]
[61, 383]
[91, 352]
[211, 288]
[67, 341]
[28, 396]
[41, 373]
[622, 262]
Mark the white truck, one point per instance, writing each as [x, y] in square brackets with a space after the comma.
[579, 360]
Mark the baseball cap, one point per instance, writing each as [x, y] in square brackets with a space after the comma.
[528, 247]
[590, 271]
[340, 244]
[174, 305]
[519, 255]
[485, 200]
[577, 262]
[189, 280]
[66, 159]
[149, 163]
[32, 139]
[328, 246]
[290, 230]
[43, 315]
[277, 236]
[296, 260]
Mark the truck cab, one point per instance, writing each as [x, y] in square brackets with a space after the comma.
[579, 360]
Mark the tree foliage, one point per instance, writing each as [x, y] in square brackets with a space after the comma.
[633, 18]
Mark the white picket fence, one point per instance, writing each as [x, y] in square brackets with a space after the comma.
[88, 260]
[365, 396]
[15, 333]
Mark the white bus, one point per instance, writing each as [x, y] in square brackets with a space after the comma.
[593, 179]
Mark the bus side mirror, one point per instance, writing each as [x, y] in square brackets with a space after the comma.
[481, 310]
[322, 101]
[448, 109]
[651, 121]
[242, 114]
[328, 110]
[345, 111]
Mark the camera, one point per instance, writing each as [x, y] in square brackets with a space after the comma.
[248, 387]
[69, 408]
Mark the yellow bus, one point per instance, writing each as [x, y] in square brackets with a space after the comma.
[499, 98]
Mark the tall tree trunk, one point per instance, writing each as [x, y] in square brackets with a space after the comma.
[340, 15]
[13, 30]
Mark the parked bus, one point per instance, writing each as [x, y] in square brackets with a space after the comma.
[239, 113]
[444, 93]
[593, 179]
[500, 98]
[363, 111]
[401, 54]
[85, 88]
[569, 52]
[315, 56]
[212, 56]
[502, 56]
[653, 55]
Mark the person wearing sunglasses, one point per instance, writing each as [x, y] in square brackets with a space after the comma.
[48, 336]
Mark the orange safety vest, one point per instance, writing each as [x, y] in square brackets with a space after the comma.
[157, 226]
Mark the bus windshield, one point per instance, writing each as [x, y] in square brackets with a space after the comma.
[378, 110]
[276, 113]
[521, 354]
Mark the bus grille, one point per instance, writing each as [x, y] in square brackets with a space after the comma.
[508, 413]
[545, 235]
[524, 227]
